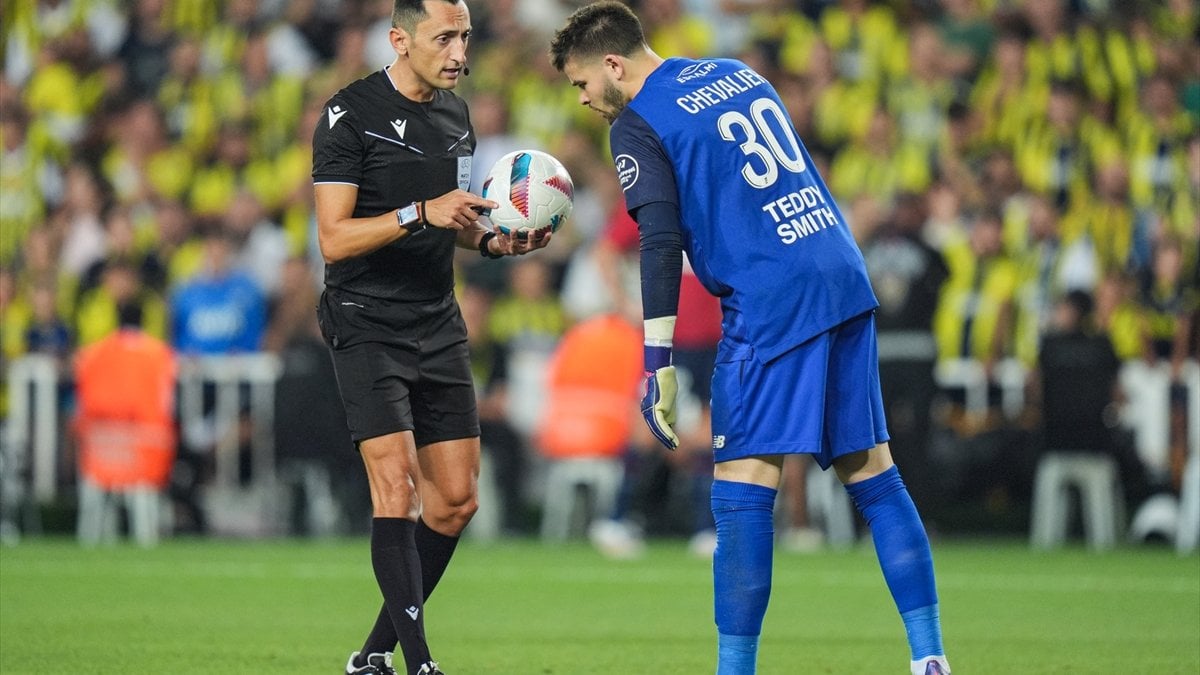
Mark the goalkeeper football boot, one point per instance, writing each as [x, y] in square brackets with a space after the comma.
[374, 664]
[430, 668]
[933, 665]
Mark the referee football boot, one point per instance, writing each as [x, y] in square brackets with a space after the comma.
[374, 664]
[430, 668]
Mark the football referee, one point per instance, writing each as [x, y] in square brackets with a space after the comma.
[391, 164]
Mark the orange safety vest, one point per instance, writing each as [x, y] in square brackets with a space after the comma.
[592, 387]
[125, 384]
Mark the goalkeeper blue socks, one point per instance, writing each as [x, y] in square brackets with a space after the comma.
[737, 654]
[744, 515]
[903, 550]
[924, 629]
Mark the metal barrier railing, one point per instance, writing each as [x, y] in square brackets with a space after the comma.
[229, 377]
[33, 428]
[243, 382]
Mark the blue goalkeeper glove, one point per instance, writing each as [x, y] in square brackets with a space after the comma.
[658, 403]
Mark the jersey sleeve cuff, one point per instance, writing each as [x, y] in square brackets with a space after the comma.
[344, 180]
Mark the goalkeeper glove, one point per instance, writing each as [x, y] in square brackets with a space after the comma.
[658, 405]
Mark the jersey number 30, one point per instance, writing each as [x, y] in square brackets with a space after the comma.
[734, 126]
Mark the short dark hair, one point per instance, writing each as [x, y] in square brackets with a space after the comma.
[1081, 301]
[600, 28]
[407, 14]
[129, 314]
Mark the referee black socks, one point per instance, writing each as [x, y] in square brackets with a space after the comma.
[397, 567]
[435, 550]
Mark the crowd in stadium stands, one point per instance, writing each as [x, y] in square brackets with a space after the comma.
[990, 155]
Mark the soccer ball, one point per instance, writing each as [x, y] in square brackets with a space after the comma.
[533, 189]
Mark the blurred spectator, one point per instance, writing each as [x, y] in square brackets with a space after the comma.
[880, 163]
[504, 447]
[38, 262]
[378, 14]
[122, 243]
[1156, 137]
[220, 310]
[142, 163]
[589, 409]
[78, 220]
[528, 321]
[24, 175]
[1004, 95]
[1119, 315]
[348, 63]
[960, 153]
[47, 332]
[267, 103]
[147, 47]
[178, 247]
[1047, 269]
[490, 117]
[126, 428]
[1075, 391]
[1057, 152]
[225, 38]
[968, 36]
[729, 22]
[187, 97]
[864, 38]
[601, 276]
[540, 108]
[907, 275]
[223, 173]
[100, 24]
[260, 245]
[920, 97]
[98, 312]
[312, 442]
[670, 30]
[14, 317]
[291, 40]
[843, 110]
[1171, 300]
[975, 309]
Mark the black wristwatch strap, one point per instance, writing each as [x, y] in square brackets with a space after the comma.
[483, 246]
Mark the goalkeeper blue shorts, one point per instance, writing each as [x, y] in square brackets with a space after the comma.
[821, 398]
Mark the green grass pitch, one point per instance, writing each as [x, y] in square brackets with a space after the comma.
[192, 606]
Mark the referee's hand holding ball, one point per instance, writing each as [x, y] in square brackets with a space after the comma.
[461, 210]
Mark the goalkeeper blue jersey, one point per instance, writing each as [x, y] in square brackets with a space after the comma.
[758, 223]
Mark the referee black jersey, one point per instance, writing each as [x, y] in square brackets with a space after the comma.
[397, 152]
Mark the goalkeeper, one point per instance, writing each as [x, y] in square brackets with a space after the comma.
[711, 164]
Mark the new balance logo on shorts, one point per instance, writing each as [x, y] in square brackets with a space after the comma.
[718, 442]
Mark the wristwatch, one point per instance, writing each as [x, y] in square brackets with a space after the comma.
[410, 219]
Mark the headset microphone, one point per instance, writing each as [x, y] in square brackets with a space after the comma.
[466, 69]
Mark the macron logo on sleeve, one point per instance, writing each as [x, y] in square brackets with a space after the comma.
[335, 114]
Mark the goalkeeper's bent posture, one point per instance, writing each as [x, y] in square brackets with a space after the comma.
[710, 162]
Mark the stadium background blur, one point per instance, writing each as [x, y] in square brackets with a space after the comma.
[990, 155]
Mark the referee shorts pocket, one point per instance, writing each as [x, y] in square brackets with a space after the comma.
[326, 321]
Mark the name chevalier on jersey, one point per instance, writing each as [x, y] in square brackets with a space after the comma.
[806, 210]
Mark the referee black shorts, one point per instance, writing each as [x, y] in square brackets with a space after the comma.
[400, 366]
